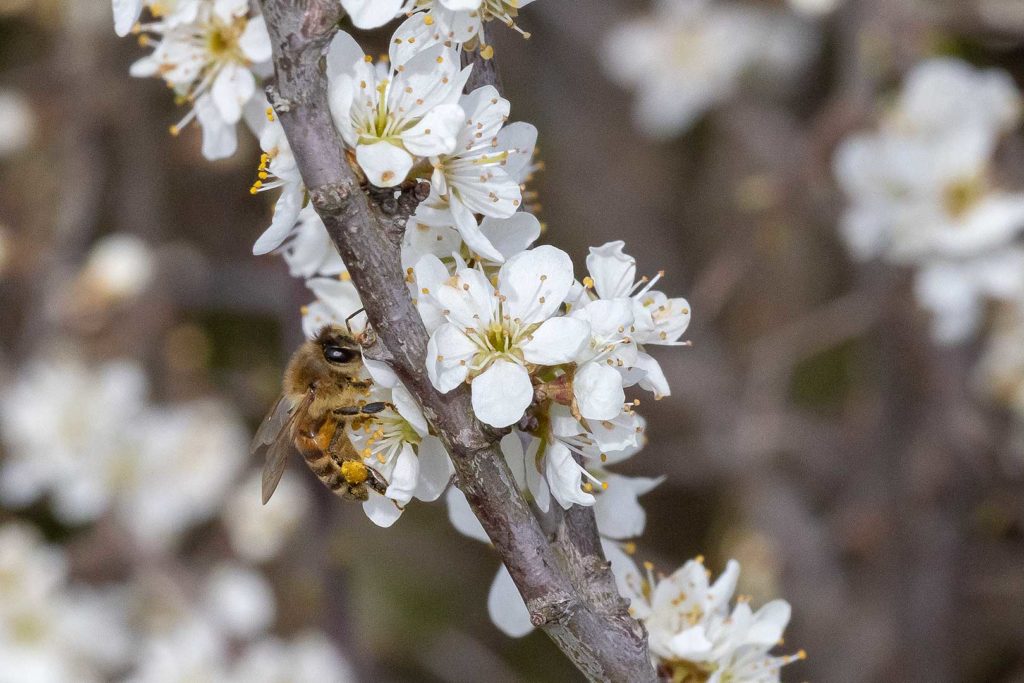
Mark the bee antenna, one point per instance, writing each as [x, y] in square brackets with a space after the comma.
[348, 326]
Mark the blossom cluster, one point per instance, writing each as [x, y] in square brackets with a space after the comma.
[923, 192]
[211, 53]
[688, 56]
[55, 628]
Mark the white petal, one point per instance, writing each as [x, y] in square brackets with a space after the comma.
[255, 41]
[384, 164]
[461, 516]
[536, 282]
[502, 394]
[436, 469]
[627, 578]
[468, 299]
[448, 354]
[769, 623]
[613, 271]
[126, 13]
[382, 511]
[232, 88]
[535, 481]
[219, 138]
[371, 13]
[618, 512]
[564, 476]
[506, 606]
[557, 341]
[519, 139]
[461, 5]
[692, 644]
[471, 233]
[409, 409]
[654, 379]
[381, 373]
[404, 476]
[343, 54]
[435, 133]
[286, 214]
[511, 235]
[598, 391]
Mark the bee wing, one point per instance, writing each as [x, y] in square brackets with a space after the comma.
[275, 435]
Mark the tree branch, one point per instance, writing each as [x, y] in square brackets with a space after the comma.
[606, 645]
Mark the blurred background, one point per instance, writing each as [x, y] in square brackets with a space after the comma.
[817, 431]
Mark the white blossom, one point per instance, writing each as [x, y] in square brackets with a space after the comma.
[491, 335]
[307, 658]
[258, 532]
[392, 116]
[396, 442]
[455, 22]
[482, 173]
[690, 55]
[209, 62]
[239, 600]
[372, 13]
[278, 170]
[692, 630]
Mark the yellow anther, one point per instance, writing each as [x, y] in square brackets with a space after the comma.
[368, 59]
[487, 51]
[629, 548]
[604, 486]
[270, 113]
[428, 20]
[588, 282]
[174, 130]
[648, 565]
[263, 175]
[588, 487]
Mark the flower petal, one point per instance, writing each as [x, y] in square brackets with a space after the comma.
[536, 282]
[382, 511]
[502, 394]
[436, 469]
[384, 164]
[510, 235]
[371, 13]
[448, 355]
[557, 341]
[598, 391]
[564, 476]
[613, 271]
[461, 516]
[506, 607]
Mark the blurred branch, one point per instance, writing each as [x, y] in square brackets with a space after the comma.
[604, 643]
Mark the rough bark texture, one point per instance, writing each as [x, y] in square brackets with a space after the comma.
[565, 583]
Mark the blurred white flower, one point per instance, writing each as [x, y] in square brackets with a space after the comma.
[1000, 373]
[17, 122]
[208, 60]
[73, 459]
[921, 191]
[308, 658]
[191, 455]
[239, 600]
[119, 268]
[689, 56]
[189, 651]
[336, 300]
[692, 631]
[48, 632]
[167, 473]
[258, 532]
[815, 8]
[126, 13]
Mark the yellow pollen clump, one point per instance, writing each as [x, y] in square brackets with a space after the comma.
[354, 472]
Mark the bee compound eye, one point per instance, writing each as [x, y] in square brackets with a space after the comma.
[338, 354]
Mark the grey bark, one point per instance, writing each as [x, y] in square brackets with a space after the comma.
[565, 582]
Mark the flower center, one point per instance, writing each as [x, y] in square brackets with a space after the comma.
[682, 671]
[960, 197]
[222, 41]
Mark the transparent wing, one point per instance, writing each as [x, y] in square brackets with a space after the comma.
[275, 436]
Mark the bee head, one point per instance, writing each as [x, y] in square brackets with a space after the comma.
[339, 349]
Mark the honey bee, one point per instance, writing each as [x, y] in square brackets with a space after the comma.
[321, 388]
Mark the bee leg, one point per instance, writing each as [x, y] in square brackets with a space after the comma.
[375, 481]
[368, 409]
